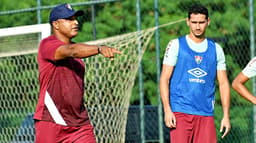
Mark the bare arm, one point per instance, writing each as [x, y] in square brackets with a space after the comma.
[225, 100]
[80, 50]
[170, 120]
[239, 85]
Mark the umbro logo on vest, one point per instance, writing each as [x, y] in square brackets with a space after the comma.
[197, 72]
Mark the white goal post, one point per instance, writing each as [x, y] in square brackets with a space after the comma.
[44, 29]
[22, 39]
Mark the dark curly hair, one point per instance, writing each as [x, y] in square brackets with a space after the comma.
[198, 9]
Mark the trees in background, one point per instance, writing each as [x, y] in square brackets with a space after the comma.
[229, 26]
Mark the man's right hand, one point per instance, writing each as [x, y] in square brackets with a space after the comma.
[108, 52]
[170, 119]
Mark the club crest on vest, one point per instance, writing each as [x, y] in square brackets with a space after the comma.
[198, 59]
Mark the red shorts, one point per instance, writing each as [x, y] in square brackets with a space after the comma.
[193, 129]
[49, 132]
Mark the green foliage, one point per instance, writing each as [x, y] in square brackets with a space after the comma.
[229, 27]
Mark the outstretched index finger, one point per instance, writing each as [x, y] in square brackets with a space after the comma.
[115, 51]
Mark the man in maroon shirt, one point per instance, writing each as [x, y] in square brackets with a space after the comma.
[60, 114]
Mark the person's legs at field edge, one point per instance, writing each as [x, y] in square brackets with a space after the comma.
[205, 131]
[183, 131]
[193, 129]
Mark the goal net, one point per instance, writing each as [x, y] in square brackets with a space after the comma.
[19, 81]
[108, 83]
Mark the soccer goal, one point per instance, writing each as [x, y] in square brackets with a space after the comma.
[108, 83]
[19, 81]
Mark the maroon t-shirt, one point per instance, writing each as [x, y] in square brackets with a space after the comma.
[61, 87]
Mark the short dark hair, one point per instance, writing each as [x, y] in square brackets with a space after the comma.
[198, 9]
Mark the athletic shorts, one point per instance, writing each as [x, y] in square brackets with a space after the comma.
[49, 132]
[193, 129]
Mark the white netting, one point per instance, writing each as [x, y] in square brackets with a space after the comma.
[108, 86]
